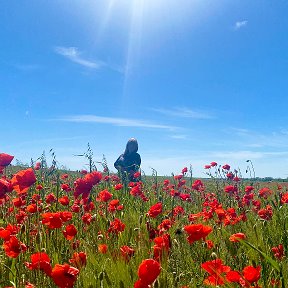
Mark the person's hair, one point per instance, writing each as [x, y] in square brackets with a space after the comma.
[131, 141]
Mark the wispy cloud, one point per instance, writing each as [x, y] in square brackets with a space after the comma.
[250, 138]
[123, 122]
[240, 24]
[73, 54]
[183, 112]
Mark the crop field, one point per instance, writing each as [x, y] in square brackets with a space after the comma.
[90, 229]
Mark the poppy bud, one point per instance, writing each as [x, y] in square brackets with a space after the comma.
[214, 255]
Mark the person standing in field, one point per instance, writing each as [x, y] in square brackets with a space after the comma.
[129, 162]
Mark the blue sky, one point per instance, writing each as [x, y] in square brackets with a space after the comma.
[194, 81]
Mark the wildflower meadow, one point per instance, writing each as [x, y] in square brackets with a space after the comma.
[90, 229]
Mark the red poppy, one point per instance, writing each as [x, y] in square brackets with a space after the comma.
[18, 202]
[213, 164]
[23, 180]
[184, 170]
[116, 226]
[118, 186]
[197, 232]
[21, 216]
[75, 208]
[217, 272]
[79, 259]
[87, 218]
[50, 198]
[104, 196]
[249, 189]
[5, 234]
[64, 200]
[66, 216]
[237, 236]
[52, 220]
[39, 187]
[233, 276]
[126, 252]
[252, 274]
[64, 276]
[284, 198]
[278, 251]
[82, 187]
[5, 159]
[94, 177]
[148, 271]
[209, 244]
[178, 210]
[198, 185]
[266, 213]
[230, 175]
[70, 232]
[114, 206]
[265, 192]
[165, 225]
[136, 190]
[226, 167]
[8, 231]
[64, 176]
[155, 210]
[65, 187]
[32, 208]
[5, 187]
[136, 175]
[102, 248]
[37, 166]
[162, 246]
[41, 261]
[13, 247]
[140, 284]
[230, 189]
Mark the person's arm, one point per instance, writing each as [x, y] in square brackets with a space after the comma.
[119, 163]
[137, 162]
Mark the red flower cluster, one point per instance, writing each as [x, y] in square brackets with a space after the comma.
[220, 274]
[40, 261]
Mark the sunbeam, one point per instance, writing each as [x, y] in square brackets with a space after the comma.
[106, 19]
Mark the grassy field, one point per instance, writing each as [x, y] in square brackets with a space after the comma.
[90, 230]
